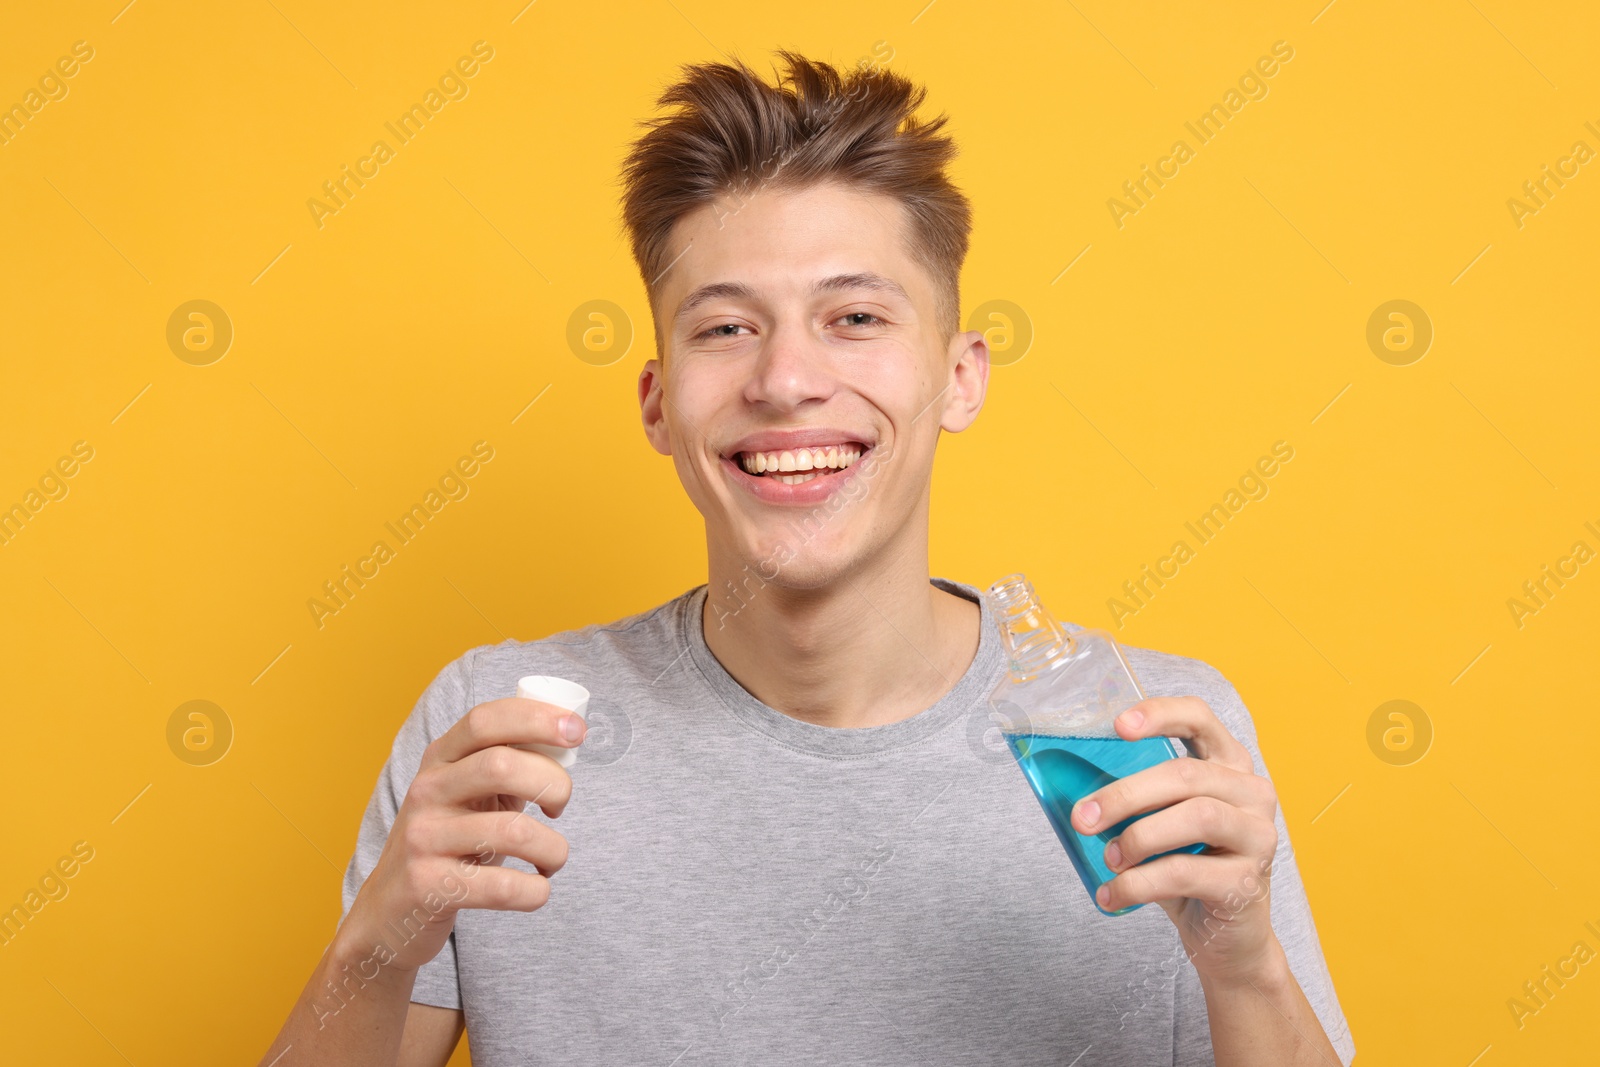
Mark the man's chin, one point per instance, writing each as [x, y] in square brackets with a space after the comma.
[790, 564]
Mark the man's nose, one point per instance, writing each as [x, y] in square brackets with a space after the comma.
[791, 368]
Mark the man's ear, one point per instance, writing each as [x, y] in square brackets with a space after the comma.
[652, 379]
[969, 380]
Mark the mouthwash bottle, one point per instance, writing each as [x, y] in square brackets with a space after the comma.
[1055, 709]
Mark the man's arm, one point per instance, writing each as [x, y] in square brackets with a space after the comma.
[365, 1029]
[1265, 1021]
[462, 813]
[1219, 900]
[378, 1026]
[431, 1035]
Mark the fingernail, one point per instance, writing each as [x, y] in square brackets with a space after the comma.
[1102, 896]
[1088, 813]
[1133, 718]
[571, 727]
[1113, 856]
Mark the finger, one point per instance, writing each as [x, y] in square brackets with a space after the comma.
[527, 776]
[1190, 718]
[504, 889]
[1198, 820]
[1167, 783]
[507, 721]
[488, 837]
[1207, 878]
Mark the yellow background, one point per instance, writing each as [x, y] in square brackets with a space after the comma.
[1229, 313]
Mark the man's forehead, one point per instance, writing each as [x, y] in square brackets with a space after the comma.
[767, 243]
[868, 280]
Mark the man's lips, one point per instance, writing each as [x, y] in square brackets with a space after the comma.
[808, 437]
[793, 486]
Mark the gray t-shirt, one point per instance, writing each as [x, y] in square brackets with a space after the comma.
[745, 887]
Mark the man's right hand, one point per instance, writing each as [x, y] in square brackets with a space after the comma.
[461, 816]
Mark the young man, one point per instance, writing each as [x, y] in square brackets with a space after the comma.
[803, 856]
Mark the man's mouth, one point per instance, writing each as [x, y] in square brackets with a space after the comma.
[794, 466]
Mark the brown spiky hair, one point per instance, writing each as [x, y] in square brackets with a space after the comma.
[732, 134]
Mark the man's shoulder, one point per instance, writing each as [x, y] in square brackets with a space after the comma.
[1169, 674]
[646, 641]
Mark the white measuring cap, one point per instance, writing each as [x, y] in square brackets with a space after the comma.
[563, 694]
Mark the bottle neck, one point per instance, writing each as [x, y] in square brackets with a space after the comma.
[1033, 640]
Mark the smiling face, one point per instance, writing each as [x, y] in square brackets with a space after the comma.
[806, 381]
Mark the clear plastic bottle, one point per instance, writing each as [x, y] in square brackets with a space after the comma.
[1055, 709]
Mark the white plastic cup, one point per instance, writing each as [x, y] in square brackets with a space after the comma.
[563, 694]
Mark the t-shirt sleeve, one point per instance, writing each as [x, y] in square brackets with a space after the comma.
[1291, 921]
[442, 703]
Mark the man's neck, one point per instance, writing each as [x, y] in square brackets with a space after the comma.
[874, 647]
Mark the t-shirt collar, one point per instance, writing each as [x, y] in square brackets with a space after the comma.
[971, 689]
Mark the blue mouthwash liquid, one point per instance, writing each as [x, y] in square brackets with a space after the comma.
[1064, 770]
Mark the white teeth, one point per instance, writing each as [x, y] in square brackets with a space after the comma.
[796, 479]
[829, 457]
[820, 458]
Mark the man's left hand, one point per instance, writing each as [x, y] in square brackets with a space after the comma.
[1218, 899]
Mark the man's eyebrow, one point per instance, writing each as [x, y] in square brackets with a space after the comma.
[714, 291]
[835, 283]
[861, 280]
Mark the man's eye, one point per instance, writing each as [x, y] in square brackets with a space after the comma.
[875, 321]
[862, 320]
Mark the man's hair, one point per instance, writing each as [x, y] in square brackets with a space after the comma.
[734, 135]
